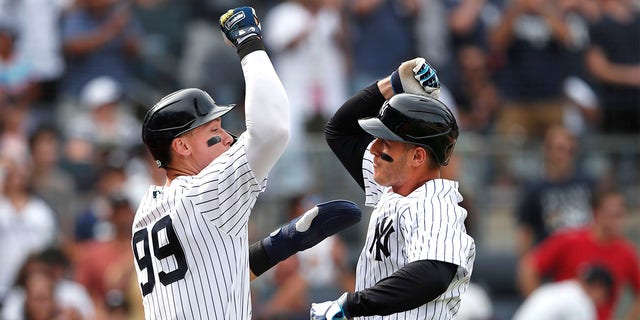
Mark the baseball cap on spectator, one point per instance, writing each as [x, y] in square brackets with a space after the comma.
[100, 91]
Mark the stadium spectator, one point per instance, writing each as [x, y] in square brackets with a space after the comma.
[105, 266]
[381, 33]
[533, 40]
[562, 255]
[105, 119]
[307, 38]
[99, 37]
[574, 299]
[613, 61]
[476, 96]
[559, 198]
[17, 84]
[27, 224]
[38, 23]
[49, 180]
[70, 297]
[309, 47]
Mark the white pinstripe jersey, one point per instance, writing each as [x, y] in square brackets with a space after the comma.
[191, 244]
[427, 224]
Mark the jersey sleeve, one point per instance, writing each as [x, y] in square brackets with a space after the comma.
[267, 115]
[437, 232]
[346, 139]
[226, 190]
[373, 191]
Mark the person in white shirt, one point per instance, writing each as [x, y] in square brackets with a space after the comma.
[574, 299]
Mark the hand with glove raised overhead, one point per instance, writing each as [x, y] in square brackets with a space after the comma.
[416, 76]
[241, 29]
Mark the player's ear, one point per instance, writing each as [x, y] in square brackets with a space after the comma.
[419, 156]
[181, 146]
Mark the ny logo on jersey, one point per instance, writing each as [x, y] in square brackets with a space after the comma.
[384, 229]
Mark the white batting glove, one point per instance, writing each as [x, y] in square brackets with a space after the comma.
[416, 76]
[329, 310]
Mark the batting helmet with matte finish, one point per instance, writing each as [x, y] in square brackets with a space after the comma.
[416, 119]
[176, 114]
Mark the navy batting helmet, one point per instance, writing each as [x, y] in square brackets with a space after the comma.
[176, 114]
[416, 119]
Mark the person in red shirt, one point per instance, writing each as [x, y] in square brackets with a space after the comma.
[105, 267]
[562, 255]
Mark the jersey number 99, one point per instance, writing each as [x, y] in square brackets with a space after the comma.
[171, 248]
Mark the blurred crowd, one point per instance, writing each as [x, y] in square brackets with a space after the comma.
[77, 76]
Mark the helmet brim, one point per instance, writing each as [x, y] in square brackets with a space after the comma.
[376, 128]
[218, 112]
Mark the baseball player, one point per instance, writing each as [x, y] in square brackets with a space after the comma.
[190, 238]
[417, 258]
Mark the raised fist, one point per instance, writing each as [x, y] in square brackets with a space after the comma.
[416, 76]
[240, 24]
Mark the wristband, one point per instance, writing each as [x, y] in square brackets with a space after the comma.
[259, 260]
[396, 83]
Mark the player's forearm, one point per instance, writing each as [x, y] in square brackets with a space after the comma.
[301, 233]
[343, 134]
[408, 288]
[266, 112]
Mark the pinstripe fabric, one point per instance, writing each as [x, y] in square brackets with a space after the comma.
[209, 214]
[426, 224]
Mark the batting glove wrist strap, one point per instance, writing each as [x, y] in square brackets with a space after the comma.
[250, 45]
[396, 83]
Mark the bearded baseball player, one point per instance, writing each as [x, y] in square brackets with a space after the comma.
[393, 137]
[190, 238]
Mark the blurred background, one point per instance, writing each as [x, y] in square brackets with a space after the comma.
[547, 95]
